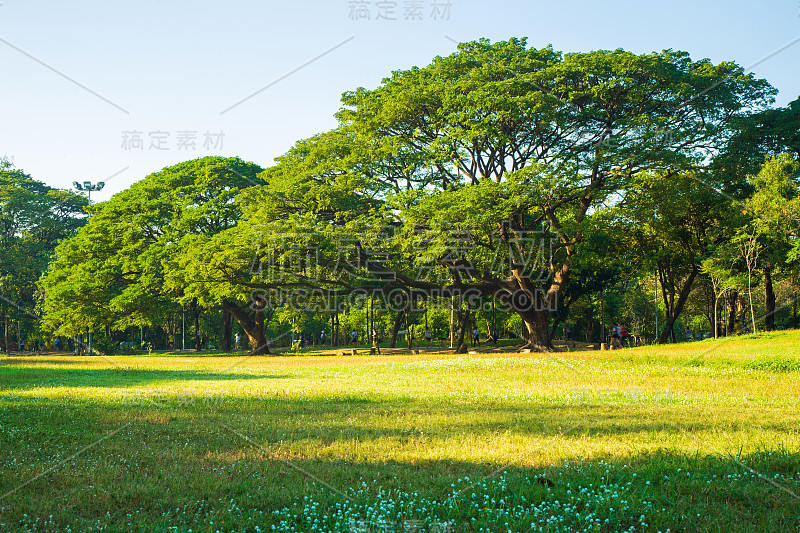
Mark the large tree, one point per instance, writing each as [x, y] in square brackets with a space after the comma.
[484, 170]
[115, 271]
[528, 145]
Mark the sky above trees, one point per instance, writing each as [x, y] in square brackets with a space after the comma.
[113, 92]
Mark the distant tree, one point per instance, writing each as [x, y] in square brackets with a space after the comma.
[774, 208]
[115, 271]
[33, 219]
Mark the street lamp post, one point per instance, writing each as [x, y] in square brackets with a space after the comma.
[88, 187]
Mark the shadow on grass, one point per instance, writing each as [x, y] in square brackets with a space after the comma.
[31, 377]
[343, 424]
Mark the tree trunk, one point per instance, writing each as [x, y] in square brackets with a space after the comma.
[398, 321]
[534, 306]
[603, 337]
[732, 300]
[196, 314]
[370, 319]
[676, 311]
[335, 328]
[537, 325]
[463, 322]
[5, 331]
[227, 331]
[741, 314]
[769, 317]
[588, 331]
[252, 322]
[409, 335]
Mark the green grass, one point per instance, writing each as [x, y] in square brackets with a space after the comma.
[693, 437]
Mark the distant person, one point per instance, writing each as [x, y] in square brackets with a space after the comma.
[428, 336]
[615, 335]
[495, 337]
[322, 337]
[237, 341]
[353, 337]
[375, 342]
[623, 335]
[22, 345]
[57, 344]
[476, 335]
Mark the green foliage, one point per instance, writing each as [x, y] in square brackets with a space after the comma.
[512, 150]
[116, 270]
[33, 219]
[497, 171]
[775, 206]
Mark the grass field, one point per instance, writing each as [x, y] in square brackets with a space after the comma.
[701, 436]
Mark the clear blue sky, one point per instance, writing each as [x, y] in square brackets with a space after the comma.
[175, 66]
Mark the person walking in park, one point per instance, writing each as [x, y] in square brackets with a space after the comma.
[428, 336]
[354, 337]
[375, 346]
[476, 336]
[57, 344]
[623, 335]
[615, 335]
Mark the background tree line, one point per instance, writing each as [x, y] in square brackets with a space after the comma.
[523, 189]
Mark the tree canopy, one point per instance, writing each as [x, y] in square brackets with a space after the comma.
[116, 270]
[33, 219]
[501, 174]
